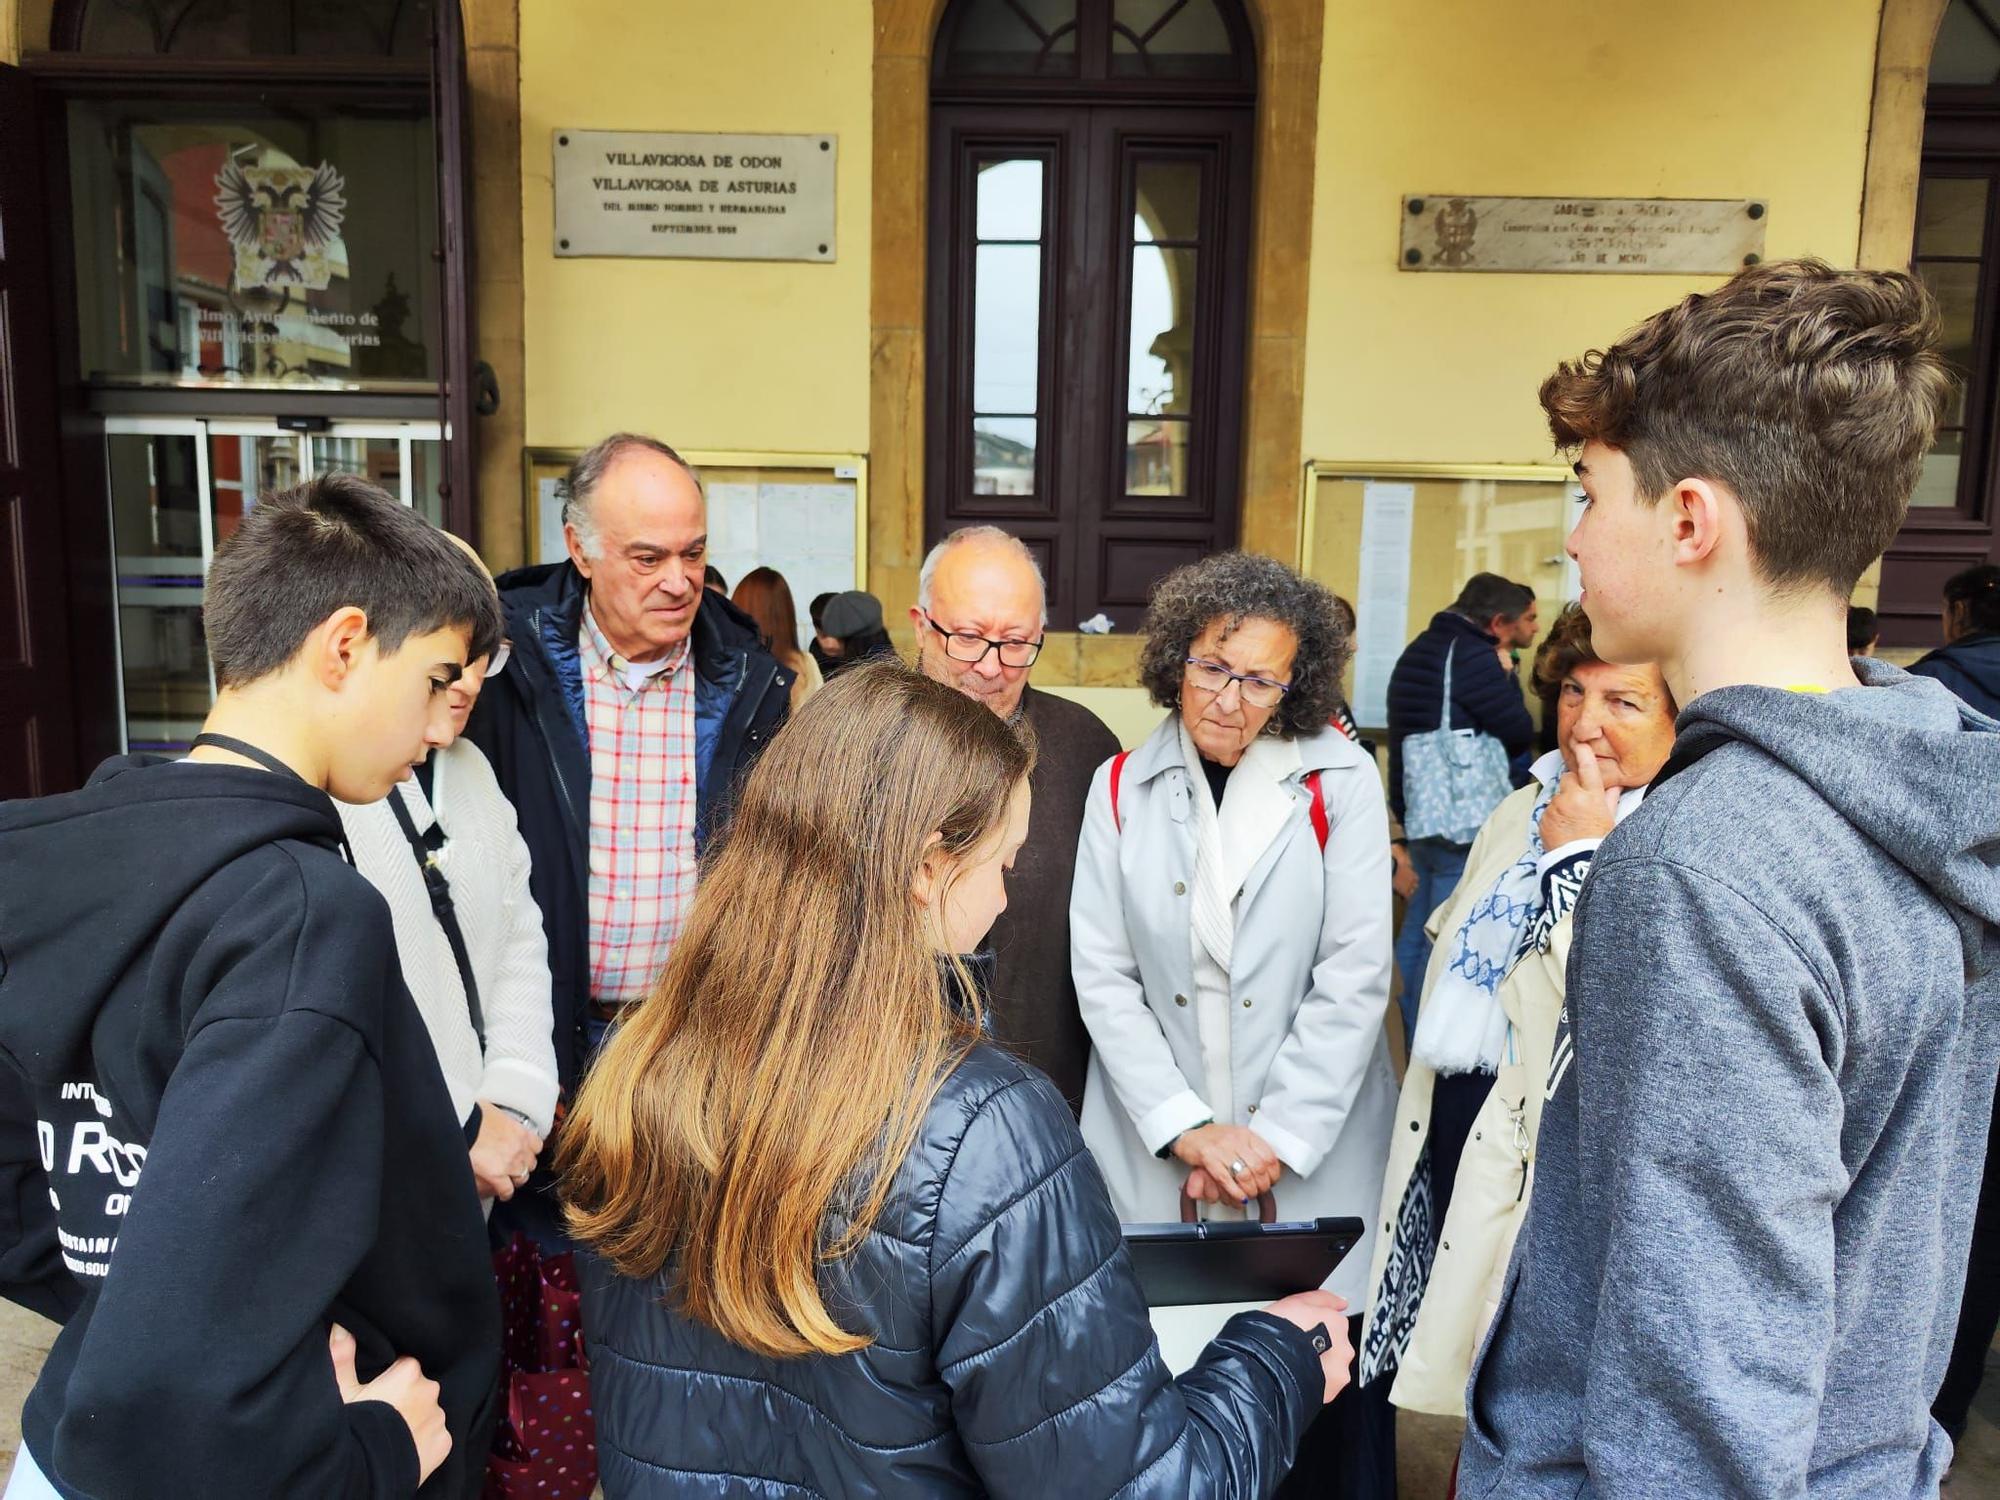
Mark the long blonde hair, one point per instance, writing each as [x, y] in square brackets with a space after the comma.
[747, 1122]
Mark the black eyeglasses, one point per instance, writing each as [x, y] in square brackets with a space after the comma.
[1213, 677]
[965, 646]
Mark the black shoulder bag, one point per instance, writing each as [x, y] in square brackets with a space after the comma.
[425, 847]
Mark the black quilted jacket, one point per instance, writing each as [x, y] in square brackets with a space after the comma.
[1012, 1352]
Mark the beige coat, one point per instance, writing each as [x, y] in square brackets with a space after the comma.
[1490, 1196]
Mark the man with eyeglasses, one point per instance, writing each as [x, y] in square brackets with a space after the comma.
[980, 617]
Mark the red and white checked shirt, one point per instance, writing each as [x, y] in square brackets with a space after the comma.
[642, 807]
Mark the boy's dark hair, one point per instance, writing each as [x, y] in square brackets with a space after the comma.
[1977, 591]
[327, 544]
[1488, 594]
[711, 578]
[1863, 626]
[817, 609]
[1812, 393]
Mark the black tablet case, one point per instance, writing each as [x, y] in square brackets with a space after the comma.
[1233, 1260]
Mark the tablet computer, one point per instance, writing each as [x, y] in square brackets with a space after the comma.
[1236, 1260]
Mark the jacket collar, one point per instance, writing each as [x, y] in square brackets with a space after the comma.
[1327, 750]
[1458, 624]
[556, 591]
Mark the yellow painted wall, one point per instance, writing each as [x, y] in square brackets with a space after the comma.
[1679, 98]
[1676, 98]
[706, 354]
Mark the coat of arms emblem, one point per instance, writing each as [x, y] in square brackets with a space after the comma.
[281, 219]
[1456, 224]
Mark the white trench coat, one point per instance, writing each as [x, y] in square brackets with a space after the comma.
[1308, 979]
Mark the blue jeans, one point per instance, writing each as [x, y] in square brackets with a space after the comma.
[1439, 865]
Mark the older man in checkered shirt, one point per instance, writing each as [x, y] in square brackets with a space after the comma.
[632, 704]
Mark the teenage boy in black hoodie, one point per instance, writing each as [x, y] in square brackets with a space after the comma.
[228, 1161]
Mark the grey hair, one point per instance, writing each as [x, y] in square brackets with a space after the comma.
[1233, 587]
[580, 484]
[1005, 540]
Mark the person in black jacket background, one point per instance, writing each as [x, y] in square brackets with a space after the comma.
[1969, 664]
[868, 1254]
[251, 1188]
[1492, 618]
[1969, 661]
[632, 703]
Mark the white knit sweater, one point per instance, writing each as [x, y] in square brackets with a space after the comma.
[486, 862]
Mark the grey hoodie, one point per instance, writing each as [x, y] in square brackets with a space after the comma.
[1758, 1161]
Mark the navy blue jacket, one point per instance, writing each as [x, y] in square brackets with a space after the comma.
[529, 721]
[1484, 695]
[1971, 669]
[1012, 1353]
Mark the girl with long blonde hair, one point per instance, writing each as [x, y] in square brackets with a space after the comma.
[838, 1242]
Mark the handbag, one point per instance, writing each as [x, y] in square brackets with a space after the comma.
[1452, 778]
[546, 1446]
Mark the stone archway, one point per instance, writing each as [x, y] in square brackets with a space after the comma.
[1896, 131]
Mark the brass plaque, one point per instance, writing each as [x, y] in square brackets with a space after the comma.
[696, 197]
[1682, 236]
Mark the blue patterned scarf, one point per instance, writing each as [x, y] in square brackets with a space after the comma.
[1461, 1028]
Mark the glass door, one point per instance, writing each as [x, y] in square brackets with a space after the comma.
[178, 488]
[157, 478]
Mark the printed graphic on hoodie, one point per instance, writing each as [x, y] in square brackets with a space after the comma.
[92, 1171]
[1563, 1055]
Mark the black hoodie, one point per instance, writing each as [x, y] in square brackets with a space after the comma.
[223, 1128]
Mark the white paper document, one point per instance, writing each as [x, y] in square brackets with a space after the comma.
[1382, 610]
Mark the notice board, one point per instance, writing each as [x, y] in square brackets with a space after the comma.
[805, 514]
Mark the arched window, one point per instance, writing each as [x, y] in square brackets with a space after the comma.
[247, 28]
[1090, 201]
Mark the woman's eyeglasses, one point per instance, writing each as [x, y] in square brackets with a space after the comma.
[1213, 677]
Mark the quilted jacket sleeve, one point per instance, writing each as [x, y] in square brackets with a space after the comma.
[1043, 1338]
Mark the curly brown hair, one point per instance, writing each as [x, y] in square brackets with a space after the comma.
[1238, 586]
[1811, 393]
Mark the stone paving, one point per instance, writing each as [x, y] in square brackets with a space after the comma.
[1425, 1446]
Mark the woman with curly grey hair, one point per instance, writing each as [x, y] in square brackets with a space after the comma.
[1230, 937]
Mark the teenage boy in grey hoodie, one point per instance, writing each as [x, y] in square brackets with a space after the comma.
[1765, 1122]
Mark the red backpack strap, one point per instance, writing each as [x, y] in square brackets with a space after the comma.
[1117, 775]
[1317, 810]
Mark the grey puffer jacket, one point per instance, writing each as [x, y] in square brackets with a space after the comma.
[1012, 1351]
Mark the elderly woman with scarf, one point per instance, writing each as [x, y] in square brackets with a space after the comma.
[1482, 1056]
[1230, 936]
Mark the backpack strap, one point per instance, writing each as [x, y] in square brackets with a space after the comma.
[1117, 775]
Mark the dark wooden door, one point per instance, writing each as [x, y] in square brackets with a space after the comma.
[1087, 337]
[458, 398]
[36, 710]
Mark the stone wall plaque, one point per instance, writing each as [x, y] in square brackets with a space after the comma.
[696, 197]
[1682, 236]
